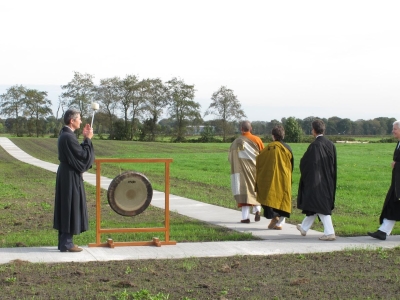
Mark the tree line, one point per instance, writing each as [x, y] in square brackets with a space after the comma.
[131, 109]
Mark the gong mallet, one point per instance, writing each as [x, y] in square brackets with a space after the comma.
[95, 106]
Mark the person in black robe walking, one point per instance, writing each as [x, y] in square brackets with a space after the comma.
[70, 209]
[317, 188]
[391, 207]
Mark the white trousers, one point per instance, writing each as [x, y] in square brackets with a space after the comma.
[246, 211]
[281, 221]
[387, 226]
[325, 219]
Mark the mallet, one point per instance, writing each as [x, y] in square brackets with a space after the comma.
[95, 106]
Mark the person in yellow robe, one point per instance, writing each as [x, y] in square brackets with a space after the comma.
[242, 157]
[274, 167]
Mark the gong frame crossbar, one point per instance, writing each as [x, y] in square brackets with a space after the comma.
[110, 243]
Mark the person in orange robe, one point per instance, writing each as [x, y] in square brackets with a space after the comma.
[242, 157]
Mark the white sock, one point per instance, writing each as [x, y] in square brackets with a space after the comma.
[387, 226]
[328, 226]
[281, 221]
[245, 212]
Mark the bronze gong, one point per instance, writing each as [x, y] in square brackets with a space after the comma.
[130, 193]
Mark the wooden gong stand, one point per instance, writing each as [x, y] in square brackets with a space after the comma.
[110, 243]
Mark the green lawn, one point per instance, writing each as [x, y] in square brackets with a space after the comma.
[201, 172]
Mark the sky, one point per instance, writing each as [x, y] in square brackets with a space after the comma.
[281, 58]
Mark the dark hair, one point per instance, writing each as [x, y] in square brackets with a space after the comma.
[246, 126]
[278, 132]
[318, 126]
[71, 114]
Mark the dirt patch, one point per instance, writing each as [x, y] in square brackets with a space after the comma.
[338, 275]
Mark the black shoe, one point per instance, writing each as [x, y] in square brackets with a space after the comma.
[380, 235]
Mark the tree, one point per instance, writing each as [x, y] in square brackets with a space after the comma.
[9, 124]
[154, 105]
[127, 89]
[182, 108]
[344, 126]
[208, 135]
[306, 124]
[293, 131]
[331, 125]
[37, 106]
[358, 127]
[79, 93]
[376, 127]
[108, 95]
[140, 97]
[52, 125]
[166, 126]
[216, 125]
[13, 103]
[271, 125]
[258, 127]
[386, 124]
[226, 107]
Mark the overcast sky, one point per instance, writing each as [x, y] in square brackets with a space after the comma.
[281, 58]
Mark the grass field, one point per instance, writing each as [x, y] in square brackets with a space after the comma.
[201, 172]
[26, 212]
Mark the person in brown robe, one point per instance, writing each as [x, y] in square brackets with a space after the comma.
[242, 157]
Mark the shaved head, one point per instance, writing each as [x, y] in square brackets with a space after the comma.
[246, 126]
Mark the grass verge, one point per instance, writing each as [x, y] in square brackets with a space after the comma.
[27, 203]
[201, 172]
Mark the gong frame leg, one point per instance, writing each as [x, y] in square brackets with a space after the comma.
[110, 243]
[156, 241]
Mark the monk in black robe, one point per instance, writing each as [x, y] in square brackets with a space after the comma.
[70, 210]
[317, 188]
[391, 208]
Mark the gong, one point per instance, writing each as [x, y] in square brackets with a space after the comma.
[130, 193]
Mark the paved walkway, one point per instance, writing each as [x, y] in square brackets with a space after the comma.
[283, 241]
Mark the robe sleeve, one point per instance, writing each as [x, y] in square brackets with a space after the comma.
[396, 172]
[307, 164]
[80, 156]
[291, 152]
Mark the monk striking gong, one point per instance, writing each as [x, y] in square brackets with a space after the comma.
[130, 193]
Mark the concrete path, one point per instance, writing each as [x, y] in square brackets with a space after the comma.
[287, 240]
